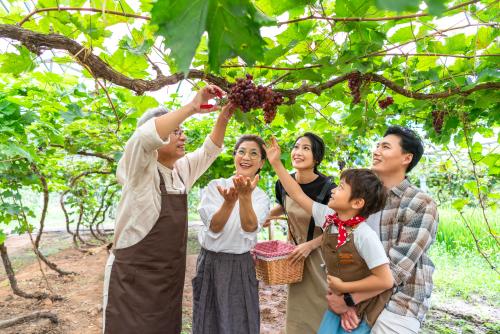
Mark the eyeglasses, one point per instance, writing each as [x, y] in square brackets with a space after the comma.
[253, 155]
[178, 132]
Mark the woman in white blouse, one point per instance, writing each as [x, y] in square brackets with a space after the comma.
[225, 290]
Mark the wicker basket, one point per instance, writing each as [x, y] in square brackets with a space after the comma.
[272, 264]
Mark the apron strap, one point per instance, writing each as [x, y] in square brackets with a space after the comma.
[163, 189]
[320, 198]
[283, 201]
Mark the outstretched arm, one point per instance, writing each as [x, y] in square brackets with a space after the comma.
[219, 130]
[274, 213]
[291, 186]
[244, 187]
[222, 215]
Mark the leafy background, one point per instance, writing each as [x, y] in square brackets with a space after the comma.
[66, 110]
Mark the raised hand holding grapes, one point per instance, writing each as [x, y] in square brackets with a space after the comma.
[200, 101]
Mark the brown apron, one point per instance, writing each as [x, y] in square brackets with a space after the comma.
[147, 279]
[346, 264]
[306, 301]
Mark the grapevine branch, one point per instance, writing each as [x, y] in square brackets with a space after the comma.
[30, 317]
[72, 184]
[477, 243]
[37, 251]
[272, 67]
[371, 19]
[435, 55]
[79, 9]
[437, 33]
[45, 189]
[478, 186]
[13, 280]
[37, 42]
[89, 154]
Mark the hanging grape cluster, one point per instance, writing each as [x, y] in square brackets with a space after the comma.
[437, 120]
[385, 102]
[354, 80]
[247, 96]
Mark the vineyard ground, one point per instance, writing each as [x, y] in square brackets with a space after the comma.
[81, 311]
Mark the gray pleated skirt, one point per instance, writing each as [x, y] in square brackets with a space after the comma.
[225, 294]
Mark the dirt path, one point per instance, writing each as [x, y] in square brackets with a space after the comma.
[80, 311]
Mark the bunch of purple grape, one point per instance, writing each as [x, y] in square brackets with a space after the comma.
[355, 80]
[385, 102]
[247, 96]
[438, 119]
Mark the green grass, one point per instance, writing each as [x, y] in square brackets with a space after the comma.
[455, 236]
[461, 271]
[466, 275]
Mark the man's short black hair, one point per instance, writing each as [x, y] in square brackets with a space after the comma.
[410, 143]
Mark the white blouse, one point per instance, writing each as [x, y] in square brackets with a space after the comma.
[232, 239]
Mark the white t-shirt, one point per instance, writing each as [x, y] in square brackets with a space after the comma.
[366, 241]
[374, 222]
[232, 239]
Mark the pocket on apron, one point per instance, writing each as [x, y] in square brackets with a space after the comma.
[151, 288]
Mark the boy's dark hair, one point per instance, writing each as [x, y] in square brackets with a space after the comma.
[410, 143]
[365, 184]
[260, 142]
[317, 147]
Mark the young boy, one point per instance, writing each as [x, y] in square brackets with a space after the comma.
[355, 258]
[407, 228]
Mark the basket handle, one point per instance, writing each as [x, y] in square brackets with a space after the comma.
[270, 227]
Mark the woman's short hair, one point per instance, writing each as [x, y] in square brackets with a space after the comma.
[259, 141]
[317, 147]
[151, 113]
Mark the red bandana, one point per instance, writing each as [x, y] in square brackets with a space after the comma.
[334, 219]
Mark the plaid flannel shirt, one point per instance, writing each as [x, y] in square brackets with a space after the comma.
[408, 227]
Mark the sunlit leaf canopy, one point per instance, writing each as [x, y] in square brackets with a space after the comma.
[76, 75]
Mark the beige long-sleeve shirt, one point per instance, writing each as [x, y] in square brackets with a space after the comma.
[140, 204]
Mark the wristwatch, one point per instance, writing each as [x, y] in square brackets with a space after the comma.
[348, 300]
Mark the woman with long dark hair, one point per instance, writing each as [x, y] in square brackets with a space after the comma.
[306, 299]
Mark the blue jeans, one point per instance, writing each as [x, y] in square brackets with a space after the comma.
[331, 325]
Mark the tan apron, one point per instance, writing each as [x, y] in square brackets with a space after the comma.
[346, 264]
[147, 279]
[306, 299]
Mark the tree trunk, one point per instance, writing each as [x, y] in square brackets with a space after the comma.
[52, 265]
[13, 281]
[30, 317]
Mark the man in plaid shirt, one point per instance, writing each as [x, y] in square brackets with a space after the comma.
[407, 227]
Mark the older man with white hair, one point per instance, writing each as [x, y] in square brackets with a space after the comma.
[144, 275]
